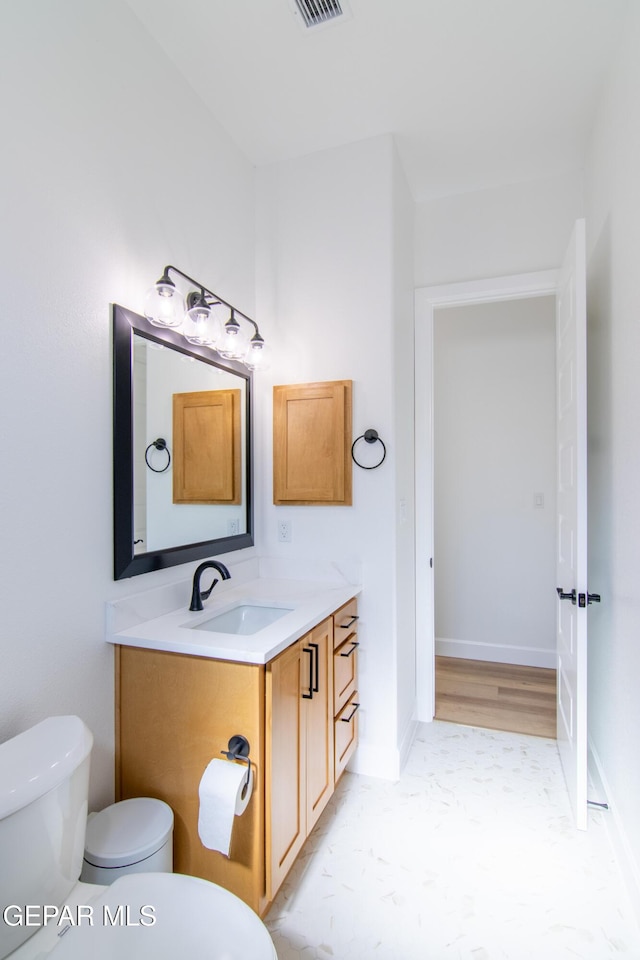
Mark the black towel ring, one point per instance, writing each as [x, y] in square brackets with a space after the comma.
[369, 436]
[159, 444]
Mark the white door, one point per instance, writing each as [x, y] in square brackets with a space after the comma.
[571, 558]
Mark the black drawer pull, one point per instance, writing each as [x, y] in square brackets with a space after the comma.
[354, 645]
[316, 685]
[352, 714]
[345, 626]
[309, 696]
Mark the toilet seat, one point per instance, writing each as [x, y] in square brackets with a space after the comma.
[193, 918]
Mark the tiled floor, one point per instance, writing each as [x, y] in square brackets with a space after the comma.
[470, 856]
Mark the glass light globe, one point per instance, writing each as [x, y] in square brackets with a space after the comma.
[164, 306]
[200, 326]
[258, 355]
[233, 342]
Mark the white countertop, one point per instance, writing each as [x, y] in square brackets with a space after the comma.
[311, 602]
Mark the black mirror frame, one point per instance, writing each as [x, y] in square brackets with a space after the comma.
[125, 563]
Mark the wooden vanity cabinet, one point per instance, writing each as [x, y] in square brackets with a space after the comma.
[299, 747]
[175, 712]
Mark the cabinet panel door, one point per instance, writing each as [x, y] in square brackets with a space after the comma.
[312, 443]
[346, 727]
[285, 761]
[319, 723]
[345, 672]
[345, 622]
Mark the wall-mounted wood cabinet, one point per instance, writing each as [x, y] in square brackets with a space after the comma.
[175, 712]
[312, 443]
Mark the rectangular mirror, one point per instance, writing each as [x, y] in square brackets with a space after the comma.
[181, 449]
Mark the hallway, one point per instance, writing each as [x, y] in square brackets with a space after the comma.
[500, 696]
[470, 856]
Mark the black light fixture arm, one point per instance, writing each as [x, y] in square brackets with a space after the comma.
[216, 299]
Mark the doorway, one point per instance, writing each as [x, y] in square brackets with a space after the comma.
[494, 513]
[428, 302]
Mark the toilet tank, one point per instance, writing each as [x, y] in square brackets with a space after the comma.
[44, 781]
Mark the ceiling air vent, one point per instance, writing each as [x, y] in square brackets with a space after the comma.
[315, 13]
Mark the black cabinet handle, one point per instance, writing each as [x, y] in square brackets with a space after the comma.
[348, 719]
[316, 684]
[354, 645]
[309, 696]
[345, 626]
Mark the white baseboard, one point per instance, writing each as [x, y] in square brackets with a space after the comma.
[496, 653]
[382, 761]
[406, 740]
[373, 760]
[629, 866]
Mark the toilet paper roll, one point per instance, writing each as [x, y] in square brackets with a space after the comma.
[221, 800]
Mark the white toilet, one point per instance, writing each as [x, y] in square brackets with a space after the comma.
[45, 912]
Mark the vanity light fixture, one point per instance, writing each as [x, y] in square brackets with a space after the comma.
[194, 316]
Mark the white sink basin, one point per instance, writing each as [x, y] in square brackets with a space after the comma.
[243, 620]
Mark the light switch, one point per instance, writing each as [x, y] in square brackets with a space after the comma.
[538, 500]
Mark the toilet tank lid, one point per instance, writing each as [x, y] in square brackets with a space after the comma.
[127, 832]
[41, 758]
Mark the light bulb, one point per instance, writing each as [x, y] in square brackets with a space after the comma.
[163, 305]
[200, 326]
[258, 354]
[233, 342]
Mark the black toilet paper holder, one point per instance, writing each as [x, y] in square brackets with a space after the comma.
[238, 749]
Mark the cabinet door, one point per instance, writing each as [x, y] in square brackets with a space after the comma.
[346, 727]
[345, 672]
[287, 681]
[312, 443]
[319, 723]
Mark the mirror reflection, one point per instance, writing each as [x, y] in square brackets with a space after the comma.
[192, 489]
[181, 450]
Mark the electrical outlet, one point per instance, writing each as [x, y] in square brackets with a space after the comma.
[233, 527]
[284, 531]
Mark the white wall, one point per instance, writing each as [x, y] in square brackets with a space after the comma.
[494, 404]
[518, 228]
[403, 444]
[613, 250]
[100, 189]
[326, 271]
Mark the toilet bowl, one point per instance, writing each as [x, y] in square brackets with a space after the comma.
[161, 915]
[46, 912]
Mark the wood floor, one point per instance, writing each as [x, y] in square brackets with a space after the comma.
[501, 696]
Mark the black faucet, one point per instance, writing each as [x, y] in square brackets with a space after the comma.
[197, 595]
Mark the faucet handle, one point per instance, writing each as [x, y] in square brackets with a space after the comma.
[207, 593]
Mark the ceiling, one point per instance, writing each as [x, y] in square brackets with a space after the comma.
[477, 93]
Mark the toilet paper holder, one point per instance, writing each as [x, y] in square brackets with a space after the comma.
[238, 749]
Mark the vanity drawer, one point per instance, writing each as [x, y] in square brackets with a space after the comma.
[345, 622]
[346, 733]
[345, 671]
